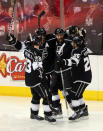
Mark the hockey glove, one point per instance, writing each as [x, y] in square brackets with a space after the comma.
[44, 81]
[28, 41]
[11, 39]
[60, 63]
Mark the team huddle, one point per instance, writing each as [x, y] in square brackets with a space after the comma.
[57, 61]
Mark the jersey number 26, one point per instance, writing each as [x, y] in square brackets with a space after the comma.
[87, 64]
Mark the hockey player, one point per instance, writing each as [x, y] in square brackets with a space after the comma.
[81, 76]
[47, 50]
[34, 77]
[72, 31]
[65, 53]
[82, 33]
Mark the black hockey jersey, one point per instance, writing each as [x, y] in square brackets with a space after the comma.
[33, 66]
[48, 54]
[81, 69]
[65, 53]
[33, 63]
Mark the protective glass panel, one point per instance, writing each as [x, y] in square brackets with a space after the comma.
[26, 18]
[87, 14]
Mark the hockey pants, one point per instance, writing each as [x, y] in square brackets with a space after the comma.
[57, 84]
[38, 93]
[76, 95]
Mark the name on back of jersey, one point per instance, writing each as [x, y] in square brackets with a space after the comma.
[28, 55]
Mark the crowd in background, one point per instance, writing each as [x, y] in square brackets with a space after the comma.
[85, 13]
[6, 9]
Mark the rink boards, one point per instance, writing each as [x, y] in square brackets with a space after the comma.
[12, 79]
[25, 92]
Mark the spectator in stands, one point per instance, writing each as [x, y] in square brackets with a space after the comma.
[94, 25]
[48, 21]
[1, 8]
[90, 16]
[6, 4]
[2, 22]
[5, 19]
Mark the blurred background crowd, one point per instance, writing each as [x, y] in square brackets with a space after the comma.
[84, 13]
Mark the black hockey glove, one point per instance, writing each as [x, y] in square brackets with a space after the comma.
[60, 63]
[28, 41]
[44, 81]
[11, 39]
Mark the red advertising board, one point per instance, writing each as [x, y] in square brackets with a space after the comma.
[12, 66]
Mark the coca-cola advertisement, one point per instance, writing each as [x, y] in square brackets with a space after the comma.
[12, 66]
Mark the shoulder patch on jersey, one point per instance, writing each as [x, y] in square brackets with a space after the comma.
[84, 52]
[51, 39]
[68, 40]
[46, 45]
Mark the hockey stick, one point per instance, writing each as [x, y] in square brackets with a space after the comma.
[12, 19]
[64, 90]
[46, 96]
[39, 17]
[53, 109]
[30, 36]
[59, 52]
[11, 24]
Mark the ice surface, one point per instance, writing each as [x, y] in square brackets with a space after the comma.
[15, 112]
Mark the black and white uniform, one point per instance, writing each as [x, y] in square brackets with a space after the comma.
[66, 72]
[81, 76]
[48, 53]
[33, 77]
[48, 50]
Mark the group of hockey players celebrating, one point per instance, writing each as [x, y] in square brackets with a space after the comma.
[57, 61]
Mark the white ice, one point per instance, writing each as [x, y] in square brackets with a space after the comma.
[15, 112]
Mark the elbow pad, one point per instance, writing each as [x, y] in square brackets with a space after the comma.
[74, 60]
[68, 62]
[18, 45]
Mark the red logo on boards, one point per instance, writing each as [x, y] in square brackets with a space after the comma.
[13, 67]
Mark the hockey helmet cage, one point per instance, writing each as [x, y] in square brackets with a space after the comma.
[40, 31]
[59, 31]
[36, 40]
[78, 40]
[72, 30]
